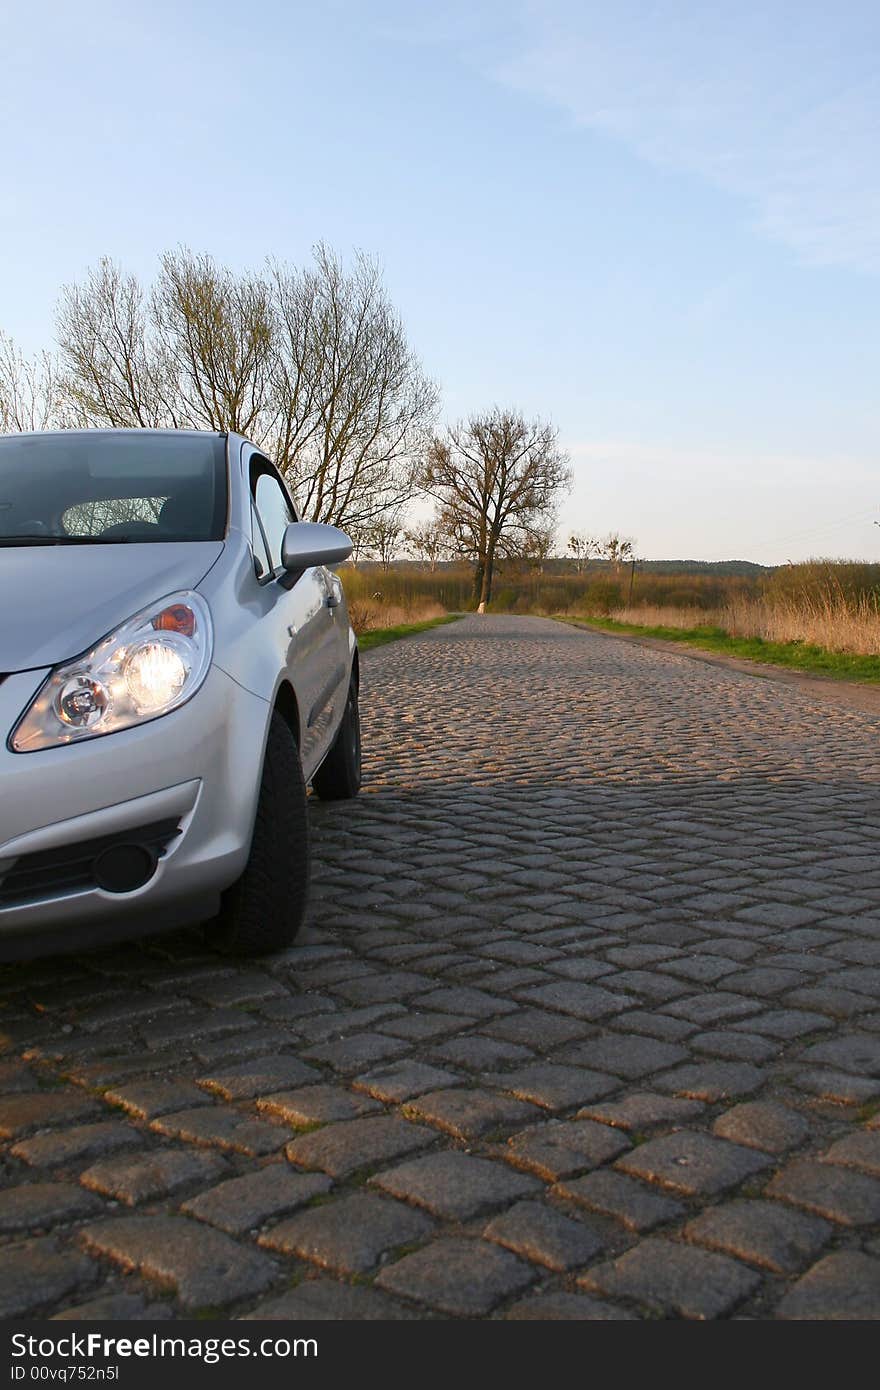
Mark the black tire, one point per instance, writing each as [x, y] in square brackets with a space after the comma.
[264, 909]
[339, 776]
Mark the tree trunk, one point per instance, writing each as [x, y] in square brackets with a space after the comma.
[486, 586]
[478, 580]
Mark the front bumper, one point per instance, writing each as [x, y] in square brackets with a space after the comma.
[196, 770]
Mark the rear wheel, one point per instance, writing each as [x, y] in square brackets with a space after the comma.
[339, 776]
[264, 909]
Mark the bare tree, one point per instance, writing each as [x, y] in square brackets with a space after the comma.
[427, 541]
[618, 550]
[355, 409]
[581, 547]
[215, 329]
[30, 396]
[112, 369]
[383, 536]
[312, 364]
[497, 478]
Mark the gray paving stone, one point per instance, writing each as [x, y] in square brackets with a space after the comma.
[784, 1024]
[202, 1267]
[642, 1110]
[719, 1006]
[418, 1026]
[844, 1286]
[542, 1234]
[349, 1235]
[34, 1274]
[466, 1113]
[638, 1207]
[158, 1173]
[711, 1081]
[556, 1087]
[322, 1300]
[462, 1278]
[763, 1233]
[561, 1148]
[222, 1127]
[59, 1148]
[258, 1076]
[675, 1278]
[33, 1206]
[400, 1081]
[566, 1307]
[765, 1125]
[693, 1163]
[351, 1055]
[580, 1000]
[456, 1185]
[115, 1307]
[243, 1204]
[839, 1086]
[147, 1098]
[21, 1113]
[735, 1047]
[474, 1003]
[847, 1197]
[536, 1028]
[344, 1148]
[316, 1105]
[628, 1056]
[855, 1052]
[480, 1053]
[858, 1150]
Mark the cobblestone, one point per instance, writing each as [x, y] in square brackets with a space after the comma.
[660, 917]
[156, 1174]
[544, 1235]
[762, 1125]
[204, 1268]
[456, 1185]
[341, 1149]
[242, 1204]
[693, 1163]
[764, 1233]
[351, 1235]
[458, 1277]
[628, 1201]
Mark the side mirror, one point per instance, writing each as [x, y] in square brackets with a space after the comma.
[307, 543]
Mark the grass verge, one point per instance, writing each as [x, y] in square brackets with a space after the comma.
[797, 656]
[380, 635]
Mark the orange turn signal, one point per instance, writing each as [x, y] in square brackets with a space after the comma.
[177, 618]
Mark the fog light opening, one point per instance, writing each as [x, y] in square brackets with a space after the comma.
[123, 868]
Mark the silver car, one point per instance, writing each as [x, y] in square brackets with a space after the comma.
[176, 665]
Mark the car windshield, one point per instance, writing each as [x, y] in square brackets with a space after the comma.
[102, 487]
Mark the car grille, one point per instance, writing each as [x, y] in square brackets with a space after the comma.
[70, 868]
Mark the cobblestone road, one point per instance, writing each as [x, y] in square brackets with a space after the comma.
[586, 1024]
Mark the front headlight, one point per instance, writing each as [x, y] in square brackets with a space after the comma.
[148, 667]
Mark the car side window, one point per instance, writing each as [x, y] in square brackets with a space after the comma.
[274, 512]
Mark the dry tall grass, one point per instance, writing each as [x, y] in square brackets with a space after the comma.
[368, 614]
[834, 624]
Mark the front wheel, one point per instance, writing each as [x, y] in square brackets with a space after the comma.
[264, 909]
[339, 776]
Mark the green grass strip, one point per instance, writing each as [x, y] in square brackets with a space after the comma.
[798, 656]
[380, 635]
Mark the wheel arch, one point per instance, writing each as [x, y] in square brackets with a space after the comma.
[287, 706]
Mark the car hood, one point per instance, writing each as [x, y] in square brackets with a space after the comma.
[57, 601]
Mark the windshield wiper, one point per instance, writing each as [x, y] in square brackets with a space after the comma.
[64, 540]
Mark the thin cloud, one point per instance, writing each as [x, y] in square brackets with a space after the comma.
[778, 105]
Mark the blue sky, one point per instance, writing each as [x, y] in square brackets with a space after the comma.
[656, 223]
